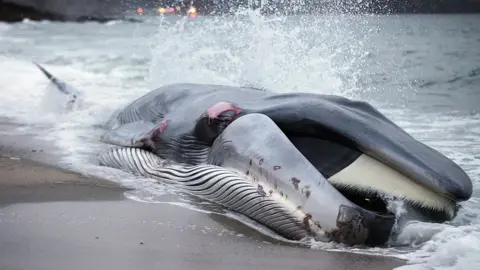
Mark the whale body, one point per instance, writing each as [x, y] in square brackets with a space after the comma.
[304, 165]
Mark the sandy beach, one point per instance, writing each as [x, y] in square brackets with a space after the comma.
[54, 219]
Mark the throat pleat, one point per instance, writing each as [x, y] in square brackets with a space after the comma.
[210, 182]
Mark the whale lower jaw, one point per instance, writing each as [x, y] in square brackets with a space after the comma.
[219, 185]
[239, 193]
[368, 178]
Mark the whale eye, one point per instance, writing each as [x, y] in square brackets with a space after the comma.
[223, 118]
[215, 120]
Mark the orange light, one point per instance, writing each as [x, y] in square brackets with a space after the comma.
[161, 10]
[192, 10]
[140, 10]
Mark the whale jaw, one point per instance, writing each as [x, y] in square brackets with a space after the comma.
[218, 185]
[255, 146]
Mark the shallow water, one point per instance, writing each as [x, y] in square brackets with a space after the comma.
[421, 71]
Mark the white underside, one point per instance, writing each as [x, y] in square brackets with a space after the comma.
[367, 175]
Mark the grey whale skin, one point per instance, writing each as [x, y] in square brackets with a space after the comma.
[268, 155]
[354, 123]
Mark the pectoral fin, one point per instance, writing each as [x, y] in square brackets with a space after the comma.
[136, 134]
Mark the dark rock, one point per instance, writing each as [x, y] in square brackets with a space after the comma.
[107, 10]
[58, 10]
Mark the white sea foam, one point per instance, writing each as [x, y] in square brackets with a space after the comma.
[115, 63]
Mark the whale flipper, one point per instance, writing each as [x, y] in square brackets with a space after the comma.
[135, 134]
[60, 85]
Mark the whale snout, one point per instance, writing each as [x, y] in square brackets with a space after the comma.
[379, 227]
[360, 226]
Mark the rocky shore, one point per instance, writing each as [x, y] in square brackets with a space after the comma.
[102, 11]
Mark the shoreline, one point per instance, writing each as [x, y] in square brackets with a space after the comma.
[29, 181]
[51, 218]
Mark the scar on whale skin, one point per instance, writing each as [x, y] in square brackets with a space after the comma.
[160, 128]
[307, 193]
[295, 182]
[261, 191]
[307, 217]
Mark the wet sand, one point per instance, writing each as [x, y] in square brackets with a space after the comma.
[53, 219]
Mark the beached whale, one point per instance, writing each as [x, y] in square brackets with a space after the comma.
[304, 165]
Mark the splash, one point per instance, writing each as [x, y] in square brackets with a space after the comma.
[280, 53]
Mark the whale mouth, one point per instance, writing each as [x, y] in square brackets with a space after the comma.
[380, 202]
[371, 201]
[373, 186]
[371, 183]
